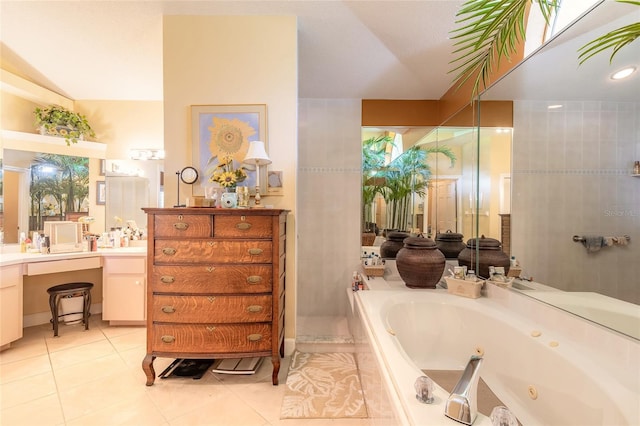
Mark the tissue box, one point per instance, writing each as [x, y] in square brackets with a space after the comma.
[464, 288]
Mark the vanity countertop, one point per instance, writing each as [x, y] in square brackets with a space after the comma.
[13, 258]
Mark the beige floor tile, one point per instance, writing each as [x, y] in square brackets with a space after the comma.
[135, 412]
[99, 394]
[72, 336]
[121, 330]
[27, 347]
[27, 367]
[44, 411]
[133, 339]
[227, 410]
[88, 371]
[28, 389]
[133, 357]
[82, 353]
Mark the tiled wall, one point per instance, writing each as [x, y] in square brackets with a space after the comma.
[571, 176]
[328, 215]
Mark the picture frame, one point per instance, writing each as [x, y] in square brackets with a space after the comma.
[101, 192]
[218, 130]
[274, 182]
[103, 167]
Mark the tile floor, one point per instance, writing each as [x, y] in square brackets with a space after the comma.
[95, 378]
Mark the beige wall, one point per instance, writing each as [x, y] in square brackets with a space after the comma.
[222, 60]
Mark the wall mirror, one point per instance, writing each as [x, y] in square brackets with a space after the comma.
[39, 187]
[575, 139]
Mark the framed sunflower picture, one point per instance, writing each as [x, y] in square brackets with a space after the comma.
[220, 140]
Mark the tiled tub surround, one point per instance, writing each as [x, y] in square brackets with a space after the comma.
[580, 371]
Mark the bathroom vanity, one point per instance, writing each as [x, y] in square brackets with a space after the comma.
[216, 284]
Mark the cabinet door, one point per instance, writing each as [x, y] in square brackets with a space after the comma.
[124, 289]
[124, 298]
[10, 304]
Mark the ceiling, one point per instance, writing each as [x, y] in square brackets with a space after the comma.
[112, 50]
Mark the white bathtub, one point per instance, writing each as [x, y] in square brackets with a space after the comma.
[574, 374]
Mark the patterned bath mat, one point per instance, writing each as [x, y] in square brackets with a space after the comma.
[323, 386]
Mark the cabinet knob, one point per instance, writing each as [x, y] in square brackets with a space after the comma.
[255, 251]
[181, 226]
[167, 279]
[168, 309]
[168, 339]
[254, 279]
[169, 251]
[243, 226]
[254, 337]
[254, 309]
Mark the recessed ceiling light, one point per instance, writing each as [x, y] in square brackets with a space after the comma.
[623, 73]
[556, 106]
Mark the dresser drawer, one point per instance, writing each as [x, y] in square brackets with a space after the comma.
[212, 251]
[242, 226]
[212, 279]
[188, 225]
[212, 309]
[211, 338]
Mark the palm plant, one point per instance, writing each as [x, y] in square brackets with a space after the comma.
[374, 152]
[405, 176]
[492, 30]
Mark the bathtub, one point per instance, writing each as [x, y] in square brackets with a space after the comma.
[573, 374]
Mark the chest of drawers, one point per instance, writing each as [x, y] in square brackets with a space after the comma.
[216, 284]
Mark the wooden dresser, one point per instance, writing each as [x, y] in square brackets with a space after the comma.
[216, 284]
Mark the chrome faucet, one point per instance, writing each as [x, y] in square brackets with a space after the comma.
[462, 404]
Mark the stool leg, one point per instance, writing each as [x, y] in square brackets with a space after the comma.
[87, 306]
[54, 313]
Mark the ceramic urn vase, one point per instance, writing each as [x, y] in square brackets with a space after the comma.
[392, 245]
[450, 244]
[489, 253]
[420, 263]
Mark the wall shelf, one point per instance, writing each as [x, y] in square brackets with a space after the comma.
[51, 144]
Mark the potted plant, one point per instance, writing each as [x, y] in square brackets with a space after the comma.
[58, 121]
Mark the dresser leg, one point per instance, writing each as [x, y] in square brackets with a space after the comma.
[147, 367]
[275, 360]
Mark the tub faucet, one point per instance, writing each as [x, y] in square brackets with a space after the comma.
[462, 404]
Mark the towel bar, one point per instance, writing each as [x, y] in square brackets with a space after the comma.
[578, 239]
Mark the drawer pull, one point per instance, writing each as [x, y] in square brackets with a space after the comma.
[210, 328]
[211, 298]
[243, 226]
[254, 337]
[255, 251]
[167, 279]
[169, 251]
[168, 339]
[168, 309]
[254, 279]
[210, 268]
[181, 226]
[254, 309]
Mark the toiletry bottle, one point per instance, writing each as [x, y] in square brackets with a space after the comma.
[636, 168]
[471, 275]
[23, 243]
[513, 262]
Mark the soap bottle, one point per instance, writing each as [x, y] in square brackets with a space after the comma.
[23, 243]
[636, 168]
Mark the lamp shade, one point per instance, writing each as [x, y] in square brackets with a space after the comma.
[256, 154]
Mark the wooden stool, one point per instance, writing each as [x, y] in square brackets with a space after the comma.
[58, 291]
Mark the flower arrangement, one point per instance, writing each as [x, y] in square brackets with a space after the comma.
[226, 175]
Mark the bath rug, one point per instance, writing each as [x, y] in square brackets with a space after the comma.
[323, 386]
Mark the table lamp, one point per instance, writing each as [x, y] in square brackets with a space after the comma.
[258, 156]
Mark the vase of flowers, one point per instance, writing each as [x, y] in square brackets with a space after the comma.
[227, 175]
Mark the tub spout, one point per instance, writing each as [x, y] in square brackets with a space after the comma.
[462, 404]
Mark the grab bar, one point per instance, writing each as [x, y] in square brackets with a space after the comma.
[579, 239]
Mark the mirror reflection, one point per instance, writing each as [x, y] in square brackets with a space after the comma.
[575, 140]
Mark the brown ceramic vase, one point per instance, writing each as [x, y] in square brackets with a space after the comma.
[420, 263]
[489, 253]
[392, 245]
[450, 244]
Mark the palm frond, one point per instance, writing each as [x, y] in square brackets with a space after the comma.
[490, 30]
[615, 40]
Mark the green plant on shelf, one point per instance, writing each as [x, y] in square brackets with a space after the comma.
[58, 121]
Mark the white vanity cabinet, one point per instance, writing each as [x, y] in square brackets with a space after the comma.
[124, 289]
[11, 289]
